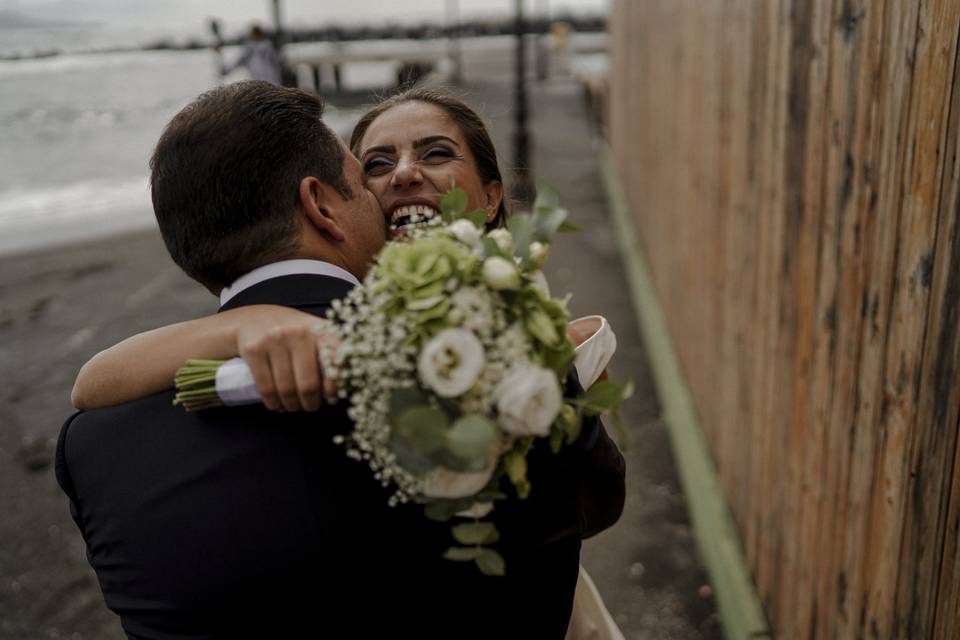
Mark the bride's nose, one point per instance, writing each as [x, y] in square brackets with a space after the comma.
[406, 174]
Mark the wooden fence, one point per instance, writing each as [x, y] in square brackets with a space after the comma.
[792, 169]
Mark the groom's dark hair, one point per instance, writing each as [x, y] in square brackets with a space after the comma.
[226, 173]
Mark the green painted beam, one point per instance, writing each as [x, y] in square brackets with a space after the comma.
[741, 612]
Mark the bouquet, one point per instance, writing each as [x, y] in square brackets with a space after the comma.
[453, 360]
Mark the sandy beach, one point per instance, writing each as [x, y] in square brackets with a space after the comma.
[61, 305]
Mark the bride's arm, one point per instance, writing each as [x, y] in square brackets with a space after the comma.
[278, 343]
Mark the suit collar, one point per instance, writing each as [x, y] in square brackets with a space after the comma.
[309, 292]
[285, 268]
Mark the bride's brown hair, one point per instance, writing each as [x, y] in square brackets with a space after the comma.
[471, 125]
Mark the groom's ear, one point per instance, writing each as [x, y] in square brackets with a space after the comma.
[320, 202]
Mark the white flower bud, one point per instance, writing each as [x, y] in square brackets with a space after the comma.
[465, 231]
[504, 240]
[538, 253]
[500, 273]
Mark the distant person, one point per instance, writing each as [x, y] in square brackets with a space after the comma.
[259, 57]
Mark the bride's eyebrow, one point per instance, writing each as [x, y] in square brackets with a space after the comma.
[422, 142]
[383, 149]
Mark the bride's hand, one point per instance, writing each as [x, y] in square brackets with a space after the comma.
[282, 346]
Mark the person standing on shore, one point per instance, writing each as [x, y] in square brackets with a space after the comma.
[259, 57]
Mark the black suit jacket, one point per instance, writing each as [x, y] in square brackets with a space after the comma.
[238, 522]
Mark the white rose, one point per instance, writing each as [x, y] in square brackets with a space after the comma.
[504, 240]
[500, 273]
[465, 231]
[528, 400]
[441, 482]
[451, 362]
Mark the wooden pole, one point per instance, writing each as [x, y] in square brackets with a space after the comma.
[521, 161]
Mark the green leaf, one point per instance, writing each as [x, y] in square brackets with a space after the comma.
[453, 202]
[403, 399]
[520, 227]
[478, 217]
[491, 563]
[547, 222]
[567, 227]
[472, 437]
[602, 396]
[491, 248]
[556, 439]
[490, 495]
[423, 428]
[443, 510]
[463, 554]
[473, 532]
[547, 196]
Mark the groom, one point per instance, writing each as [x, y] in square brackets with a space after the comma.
[244, 523]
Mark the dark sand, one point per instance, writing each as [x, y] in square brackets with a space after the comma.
[61, 306]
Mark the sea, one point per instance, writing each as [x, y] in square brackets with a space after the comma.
[77, 128]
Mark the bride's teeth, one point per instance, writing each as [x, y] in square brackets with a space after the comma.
[414, 212]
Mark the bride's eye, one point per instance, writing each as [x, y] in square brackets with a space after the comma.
[377, 166]
[438, 154]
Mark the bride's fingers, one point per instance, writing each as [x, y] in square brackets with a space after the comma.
[306, 371]
[327, 344]
[284, 379]
[259, 365]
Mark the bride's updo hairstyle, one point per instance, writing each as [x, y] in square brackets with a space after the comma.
[471, 126]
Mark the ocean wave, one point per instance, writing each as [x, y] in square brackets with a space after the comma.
[74, 201]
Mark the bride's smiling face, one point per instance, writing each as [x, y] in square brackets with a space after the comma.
[411, 153]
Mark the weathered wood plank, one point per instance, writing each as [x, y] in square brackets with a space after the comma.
[947, 619]
[734, 213]
[805, 152]
[938, 390]
[910, 298]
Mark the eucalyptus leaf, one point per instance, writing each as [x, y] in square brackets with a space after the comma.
[491, 563]
[491, 248]
[454, 201]
[423, 428]
[547, 222]
[473, 532]
[409, 458]
[463, 554]
[603, 396]
[567, 227]
[443, 510]
[478, 217]
[403, 399]
[520, 227]
[472, 437]
[547, 196]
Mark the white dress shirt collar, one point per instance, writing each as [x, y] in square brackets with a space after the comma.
[285, 268]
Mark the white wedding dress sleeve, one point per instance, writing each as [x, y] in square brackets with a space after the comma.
[590, 619]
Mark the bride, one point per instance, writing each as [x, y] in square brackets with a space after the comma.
[411, 147]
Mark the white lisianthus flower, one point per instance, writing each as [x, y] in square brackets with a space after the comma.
[504, 240]
[500, 273]
[528, 400]
[441, 482]
[451, 362]
[465, 231]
